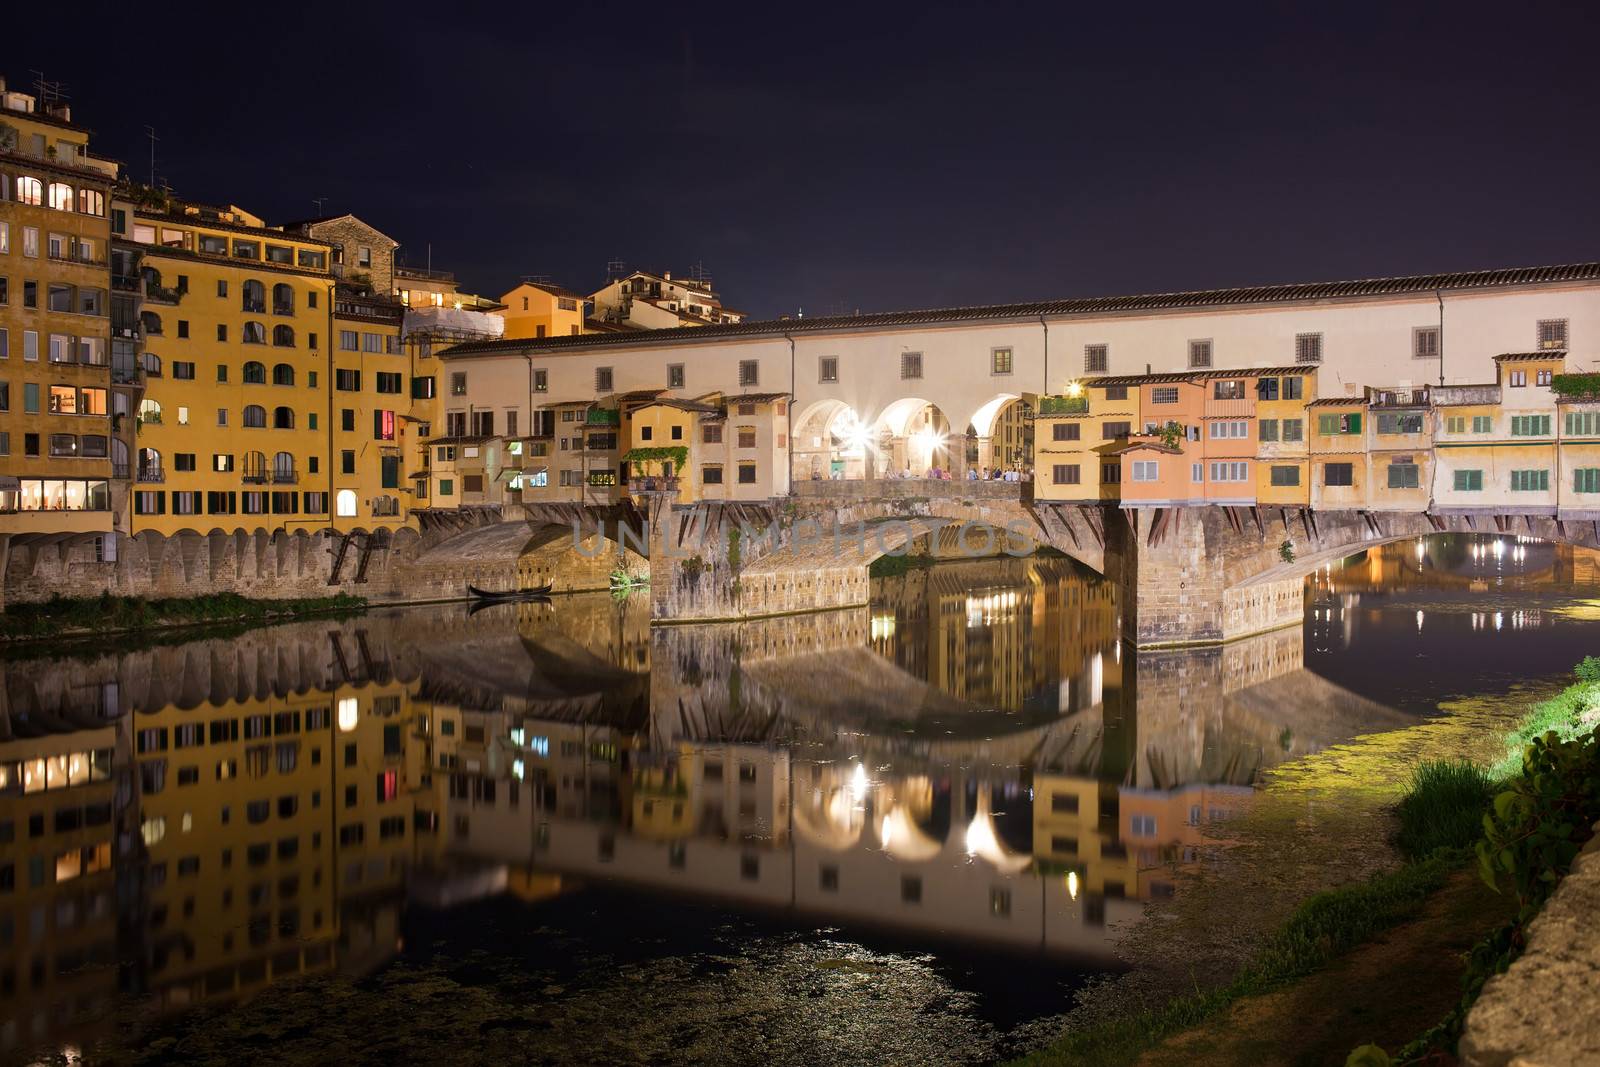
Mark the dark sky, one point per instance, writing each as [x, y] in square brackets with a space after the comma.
[833, 158]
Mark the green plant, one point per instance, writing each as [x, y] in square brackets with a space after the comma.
[1576, 385]
[733, 549]
[1286, 551]
[1063, 405]
[1171, 434]
[677, 454]
[1588, 670]
[1443, 807]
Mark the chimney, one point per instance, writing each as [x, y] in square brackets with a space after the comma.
[61, 111]
[667, 275]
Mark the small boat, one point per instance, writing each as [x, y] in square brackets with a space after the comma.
[508, 594]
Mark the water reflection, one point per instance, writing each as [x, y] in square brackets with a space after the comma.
[973, 759]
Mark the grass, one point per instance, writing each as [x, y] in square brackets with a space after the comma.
[1443, 807]
[1323, 927]
[1565, 713]
[69, 616]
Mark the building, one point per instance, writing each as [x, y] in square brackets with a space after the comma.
[234, 323]
[59, 455]
[542, 309]
[645, 301]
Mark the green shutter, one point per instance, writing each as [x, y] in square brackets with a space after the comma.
[1355, 423]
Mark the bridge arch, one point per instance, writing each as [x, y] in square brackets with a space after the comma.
[525, 553]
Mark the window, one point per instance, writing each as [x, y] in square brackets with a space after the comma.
[1458, 424]
[1425, 342]
[1467, 481]
[1333, 425]
[30, 190]
[1404, 476]
[1530, 425]
[603, 380]
[675, 376]
[1227, 389]
[1583, 423]
[344, 503]
[711, 474]
[1000, 361]
[1065, 431]
[1586, 480]
[1146, 470]
[1110, 431]
[349, 341]
[828, 369]
[747, 474]
[1164, 394]
[711, 433]
[1530, 481]
[747, 436]
[1096, 358]
[388, 381]
[1110, 473]
[1308, 348]
[255, 416]
[345, 380]
[1285, 476]
[910, 365]
[1482, 423]
[1066, 474]
[1517, 379]
[541, 381]
[1232, 429]
[1339, 474]
[1390, 422]
[1552, 334]
[372, 342]
[1267, 429]
[749, 372]
[1542, 377]
[1199, 354]
[1229, 472]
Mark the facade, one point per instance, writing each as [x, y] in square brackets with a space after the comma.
[540, 309]
[646, 301]
[233, 323]
[59, 460]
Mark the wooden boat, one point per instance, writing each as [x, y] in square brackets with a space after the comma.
[508, 594]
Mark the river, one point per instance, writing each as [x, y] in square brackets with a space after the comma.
[909, 832]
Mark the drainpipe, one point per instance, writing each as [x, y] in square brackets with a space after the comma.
[1046, 326]
[328, 373]
[789, 419]
[1438, 295]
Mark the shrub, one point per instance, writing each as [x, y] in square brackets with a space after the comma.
[1588, 670]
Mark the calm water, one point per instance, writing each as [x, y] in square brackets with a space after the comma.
[905, 833]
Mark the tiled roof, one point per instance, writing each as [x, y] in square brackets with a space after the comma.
[1197, 375]
[1517, 357]
[551, 288]
[1337, 401]
[1103, 305]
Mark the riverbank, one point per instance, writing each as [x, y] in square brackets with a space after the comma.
[1347, 967]
[71, 618]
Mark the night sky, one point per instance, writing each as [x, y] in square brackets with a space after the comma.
[830, 159]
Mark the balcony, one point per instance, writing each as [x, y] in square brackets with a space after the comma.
[147, 418]
[1237, 408]
[280, 477]
[162, 294]
[283, 309]
[79, 258]
[151, 474]
[255, 307]
[125, 283]
[1063, 405]
[255, 477]
[1399, 398]
[424, 275]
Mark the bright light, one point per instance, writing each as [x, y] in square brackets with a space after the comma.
[1420, 550]
[1499, 548]
[855, 433]
[1072, 884]
[858, 784]
[1074, 389]
[1419, 620]
[929, 439]
[349, 714]
[516, 769]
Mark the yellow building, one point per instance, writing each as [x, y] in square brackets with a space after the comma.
[542, 309]
[1496, 444]
[1283, 474]
[234, 327]
[1399, 450]
[1338, 453]
[372, 389]
[56, 439]
[1077, 439]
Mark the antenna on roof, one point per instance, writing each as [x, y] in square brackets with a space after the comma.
[48, 92]
[615, 268]
[150, 132]
[537, 279]
[317, 200]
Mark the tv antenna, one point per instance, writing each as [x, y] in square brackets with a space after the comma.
[150, 132]
[317, 200]
[615, 268]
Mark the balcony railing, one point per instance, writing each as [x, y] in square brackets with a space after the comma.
[253, 477]
[283, 309]
[285, 477]
[79, 258]
[151, 474]
[125, 283]
[119, 471]
[1400, 398]
[258, 307]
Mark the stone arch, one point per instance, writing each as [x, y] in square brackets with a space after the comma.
[912, 437]
[830, 442]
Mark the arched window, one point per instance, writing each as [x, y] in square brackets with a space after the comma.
[61, 196]
[254, 296]
[149, 411]
[283, 418]
[345, 504]
[254, 334]
[255, 373]
[282, 299]
[283, 336]
[283, 467]
[149, 465]
[151, 364]
[151, 323]
[91, 202]
[151, 276]
[255, 467]
[282, 374]
[119, 457]
[255, 416]
[30, 191]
